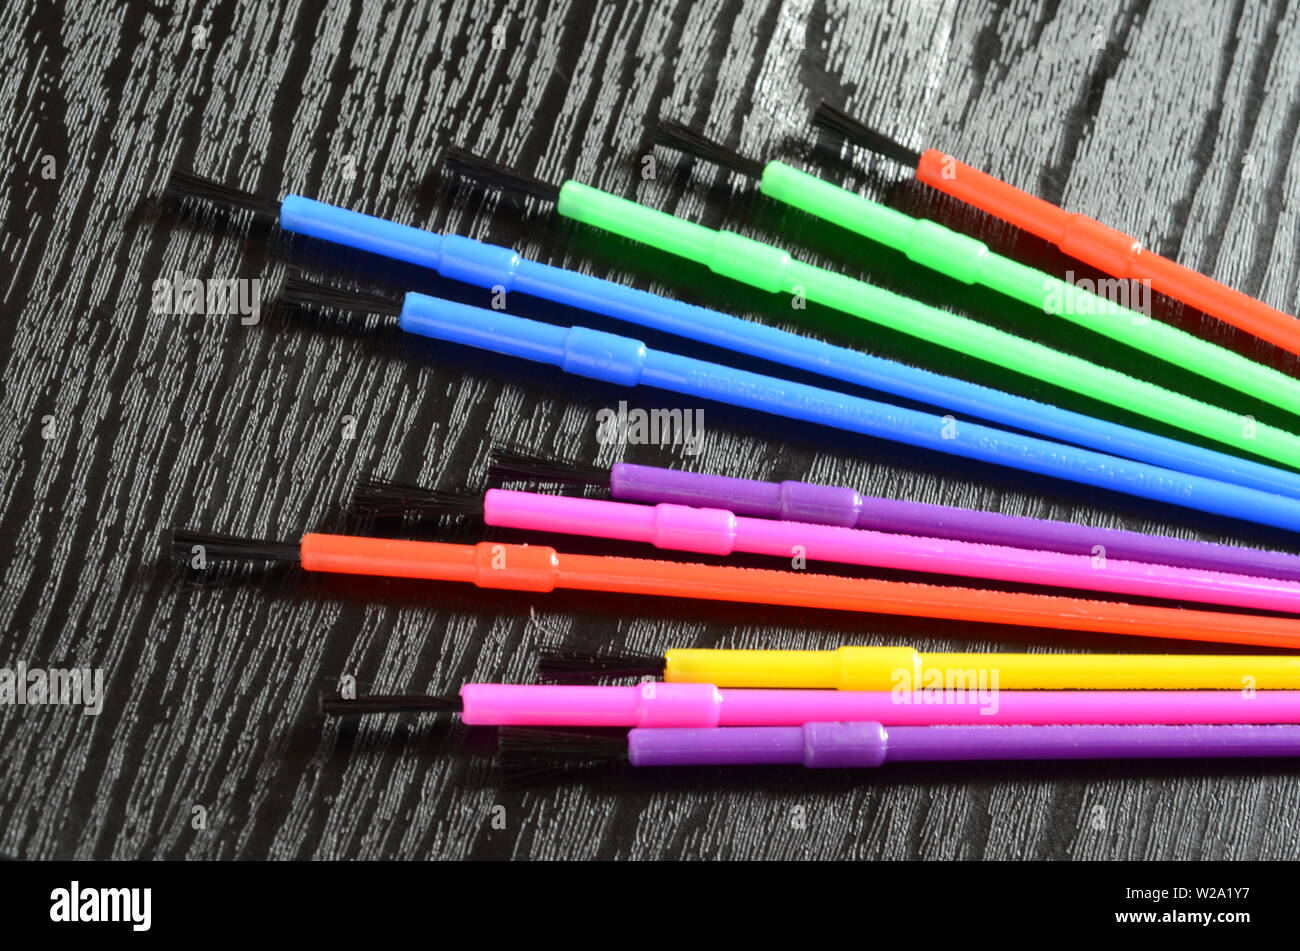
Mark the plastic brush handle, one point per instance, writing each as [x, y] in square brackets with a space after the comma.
[685, 705]
[615, 359]
[713, 531]
[489, 265]
[771, 269]
[1107, 249]
[841, 505]
[540, 569]
[970, 261]
[894, 668]
[867, 744]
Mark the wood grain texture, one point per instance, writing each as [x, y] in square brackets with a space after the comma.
[1176, 121]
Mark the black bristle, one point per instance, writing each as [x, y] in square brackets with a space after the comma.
[384, 498]
[468, 165]
[514, 776]
[529, 747]
[578, 664]
[527, 756]
[298, 291]
[675, 135]
[339, 706]
[840, 123]
[188, 185]
[510, 465]
[230, 548]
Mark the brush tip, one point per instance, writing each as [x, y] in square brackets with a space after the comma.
[678, 136]
[838, 122]
[303, 292]
[198, 548]
[579, 664]
[466, 164]
[338, 705]
[527, 756]
[184, 184]
[508, 464]
[531, 745]
[380, 497]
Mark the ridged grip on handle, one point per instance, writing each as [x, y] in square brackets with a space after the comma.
[790, 501]
[487, 564]
[817, 745]
[673, 527]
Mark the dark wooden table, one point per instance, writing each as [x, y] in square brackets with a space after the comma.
[1176, 121]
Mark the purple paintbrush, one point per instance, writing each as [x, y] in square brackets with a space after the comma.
[839, 505]
[526, 751]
